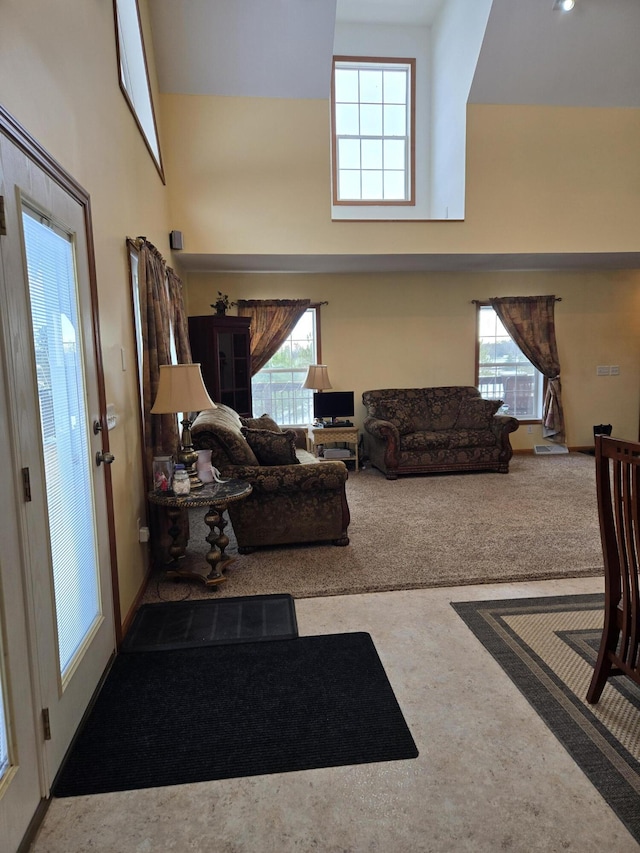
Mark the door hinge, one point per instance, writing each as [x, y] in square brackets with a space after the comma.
[46, 725]
[3, 220]
[26, 485]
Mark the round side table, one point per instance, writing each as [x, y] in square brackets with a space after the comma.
[216, 497]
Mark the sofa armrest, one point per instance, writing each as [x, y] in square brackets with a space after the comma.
[504, 424]
[501, 426]
[381, 443]
[322, 476]
[384, 430]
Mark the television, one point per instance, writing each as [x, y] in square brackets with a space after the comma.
[333, 404]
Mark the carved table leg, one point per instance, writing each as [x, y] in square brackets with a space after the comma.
[176, 550]
[218, 541]
[212, 520]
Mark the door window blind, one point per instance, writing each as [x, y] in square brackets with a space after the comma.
[64, 425]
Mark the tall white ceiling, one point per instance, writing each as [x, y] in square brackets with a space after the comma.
[416, 12]
[244, 48]
[531, 53]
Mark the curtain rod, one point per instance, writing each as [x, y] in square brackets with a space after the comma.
[485, 301]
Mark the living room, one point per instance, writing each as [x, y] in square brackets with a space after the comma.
[551, 206]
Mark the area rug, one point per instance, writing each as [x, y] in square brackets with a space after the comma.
[548, 647]
[199, 622]
[219, 712]
[537, 522]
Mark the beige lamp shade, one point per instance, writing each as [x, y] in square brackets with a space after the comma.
[181, 389]
[317, 377]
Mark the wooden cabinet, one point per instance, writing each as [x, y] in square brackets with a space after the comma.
[221, 345]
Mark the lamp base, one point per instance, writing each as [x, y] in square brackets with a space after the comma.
[194, 481]
[188, 456]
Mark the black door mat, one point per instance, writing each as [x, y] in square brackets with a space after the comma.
[192, 715]
[201, 622]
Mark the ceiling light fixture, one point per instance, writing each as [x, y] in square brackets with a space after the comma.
[564, 5]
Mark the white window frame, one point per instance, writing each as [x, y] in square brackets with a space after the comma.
[357, 140]
[491, 375]
[291, 396]
[133, 73]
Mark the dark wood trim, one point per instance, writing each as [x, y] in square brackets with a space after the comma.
[34, 825]
[157, 161]
[23, 140]
[128, 619]
[376, 60]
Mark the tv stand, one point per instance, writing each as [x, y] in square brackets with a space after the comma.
[317, 439]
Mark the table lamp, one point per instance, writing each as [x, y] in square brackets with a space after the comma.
[181, 389]
[317, 378]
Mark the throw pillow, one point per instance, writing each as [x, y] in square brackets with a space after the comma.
[396, 411]
[272, 448]
[263, 422]
[476, 413]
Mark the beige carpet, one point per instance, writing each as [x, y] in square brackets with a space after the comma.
[537, 522]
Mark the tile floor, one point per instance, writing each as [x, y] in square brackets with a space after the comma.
[490, 775]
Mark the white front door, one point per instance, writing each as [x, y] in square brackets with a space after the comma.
[20, 738]
[53, 402]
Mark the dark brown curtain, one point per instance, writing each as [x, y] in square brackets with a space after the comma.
[179, 317]
[530, 320]
[161, 304]
[161, 307]
[272, 320]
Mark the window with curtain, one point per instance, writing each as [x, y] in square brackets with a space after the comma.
[504, 372]
[277, 387]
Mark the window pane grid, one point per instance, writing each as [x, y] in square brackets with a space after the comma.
[277, 388]
[371, 106]
[504, 372]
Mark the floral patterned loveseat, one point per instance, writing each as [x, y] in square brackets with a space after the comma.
[427, 430]
[295, 498]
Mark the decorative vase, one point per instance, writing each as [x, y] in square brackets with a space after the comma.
[221, 309]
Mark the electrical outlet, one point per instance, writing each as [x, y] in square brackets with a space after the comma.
[602, 370]
[615, 370]
[529, 429]
[143, 532]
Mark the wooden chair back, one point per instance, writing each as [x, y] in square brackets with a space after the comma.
[618, 493]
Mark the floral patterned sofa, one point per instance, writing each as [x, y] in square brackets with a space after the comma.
[296, 498]
[427, 430]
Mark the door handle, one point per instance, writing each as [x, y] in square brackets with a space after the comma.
[106, 457]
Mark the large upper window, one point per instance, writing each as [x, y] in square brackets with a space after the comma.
[277, 388]
[373, 109]
[504, 372]
[134, 75]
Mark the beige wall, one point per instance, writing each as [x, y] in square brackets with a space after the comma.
[387, 331]
[59, 79]
[251, 175]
